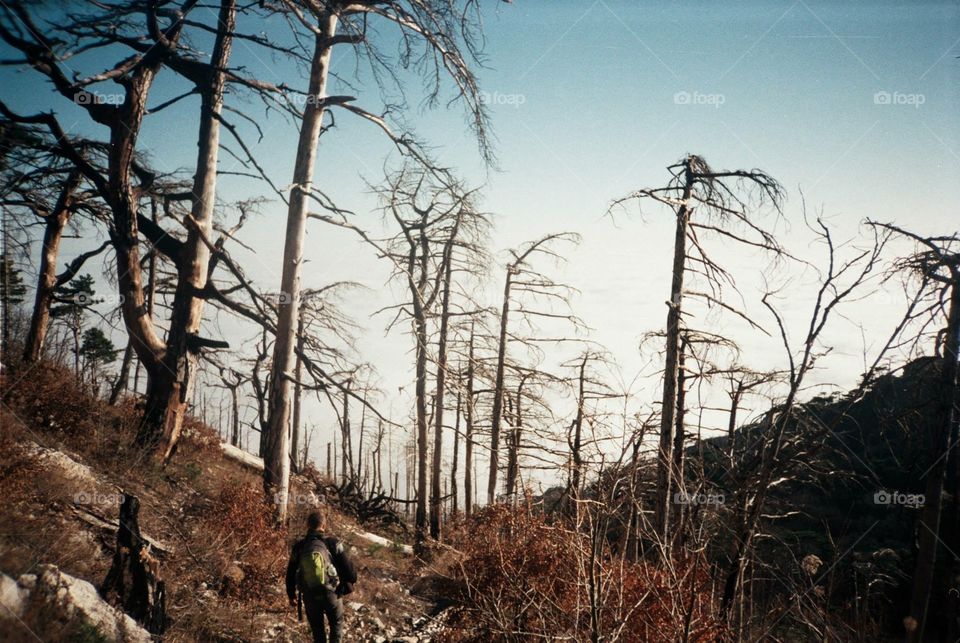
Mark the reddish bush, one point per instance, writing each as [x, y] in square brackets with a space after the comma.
[521, 579]
[242, 527]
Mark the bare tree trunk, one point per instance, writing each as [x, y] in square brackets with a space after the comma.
[928, 534]
[468, 447]
[172, 383]
[47, 280]
[297, 393]
[346, 455]
[133, 575]
[436, 496]
[420, 330]
[575, 443]
[513, 455]
[121, 384]
[669, 403]
[456, 455]
[276, 470]
[235, 412]
[732, 422]
[498, 391]
[678, 440]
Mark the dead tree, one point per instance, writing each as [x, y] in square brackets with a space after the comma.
[521, 280]
[468, 490]
[841, 281]
[721, 211]
[937, 263]
[134, 576]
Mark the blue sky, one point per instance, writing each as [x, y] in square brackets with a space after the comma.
[853, 104]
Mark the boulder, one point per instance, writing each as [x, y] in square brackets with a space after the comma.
[74, 601]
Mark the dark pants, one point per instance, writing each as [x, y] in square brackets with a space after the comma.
[319, 603]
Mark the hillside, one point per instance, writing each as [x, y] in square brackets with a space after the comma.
[850, 490]
[66, 460]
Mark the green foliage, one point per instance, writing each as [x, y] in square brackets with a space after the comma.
[74, 297]
[97, 349]
[12, 290]
[87, 633]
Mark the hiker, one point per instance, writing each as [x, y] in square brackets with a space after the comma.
[321, 571]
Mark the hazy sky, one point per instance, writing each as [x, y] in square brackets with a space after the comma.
[853, 103]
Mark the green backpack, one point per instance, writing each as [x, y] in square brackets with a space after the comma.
[317, 570]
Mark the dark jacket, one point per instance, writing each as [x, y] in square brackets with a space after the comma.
[346, 572]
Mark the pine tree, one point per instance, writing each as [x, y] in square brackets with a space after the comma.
[72, 301]
[12, 292]
[97, 351]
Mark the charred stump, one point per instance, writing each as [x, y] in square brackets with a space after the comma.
[134, 577]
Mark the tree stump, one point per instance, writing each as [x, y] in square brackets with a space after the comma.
[134, 576]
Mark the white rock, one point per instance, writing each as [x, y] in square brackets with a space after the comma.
[77, 599]
[13, 597]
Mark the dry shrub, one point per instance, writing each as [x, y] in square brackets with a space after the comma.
[49, 398]
[201, 438]
[18, 470]
[241, 525]
[522, 579]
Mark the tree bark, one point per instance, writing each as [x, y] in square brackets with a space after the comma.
[669, 402]
[134, 575]
[498, 391]
[436, 495]
[456, 455]
[297, 395]
[513, 456]
[172, 383]
[121, 384]
[276, 470]
[678, 440]
[576, 461]
[47, 281]
[420, 331]
[468, 446]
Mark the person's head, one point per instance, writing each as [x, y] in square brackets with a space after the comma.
[315, 521]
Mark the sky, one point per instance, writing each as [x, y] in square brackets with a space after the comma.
[851, 106]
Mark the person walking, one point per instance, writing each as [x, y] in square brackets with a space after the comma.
[321, 571]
